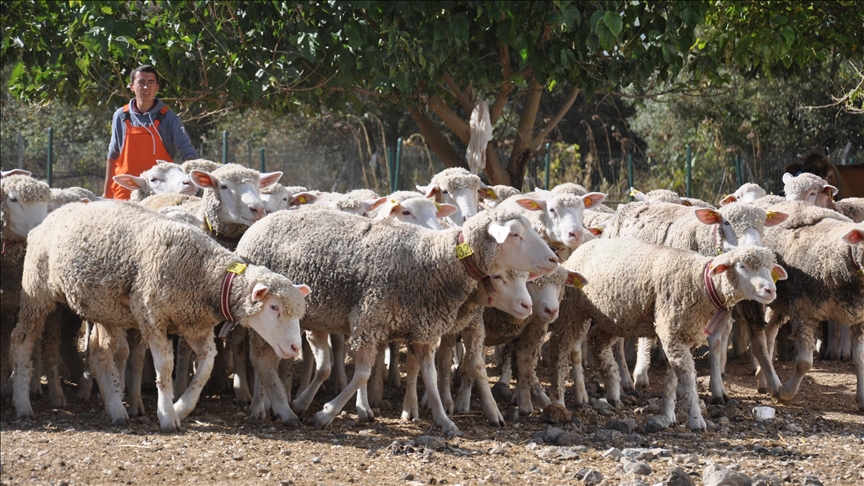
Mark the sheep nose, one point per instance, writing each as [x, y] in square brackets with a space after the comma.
[550, 313]
[527, 306]
[574, 235]
[257, 211]
[295, 348]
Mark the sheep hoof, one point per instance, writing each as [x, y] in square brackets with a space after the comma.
[719, 400]
[119, 422]
[58, 402]
[616, 403]
[450, 431]
[365, 415]
[293, 422]
[762, 390]
[322, 420]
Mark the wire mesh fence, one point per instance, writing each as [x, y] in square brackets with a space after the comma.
[342, 163]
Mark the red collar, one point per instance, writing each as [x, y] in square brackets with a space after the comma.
[225, 298]
[722, 310]
[466, 256]
[10, 243]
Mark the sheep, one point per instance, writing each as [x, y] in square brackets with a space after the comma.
[199, 164]
[278, 197]
[499, 193]
[162, 178]
[499, 328]
[23, 205]
[748, 192]
[639, 289]
[822, 251]
[359, 269]
[127, 267]
[667, 196]
[60, 197]
[460, 188]
[707, 231]
[159, 201]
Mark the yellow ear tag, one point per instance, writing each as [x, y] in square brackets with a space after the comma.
[209, 226]
[633, 192]
[491, 194]
[237, 268]
[774, 276]
[577, 283]
[437, 207]
[301, 199]
[771, 214]
[534, 205]
[463, 250]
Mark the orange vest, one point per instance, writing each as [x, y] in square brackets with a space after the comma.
[142, 147]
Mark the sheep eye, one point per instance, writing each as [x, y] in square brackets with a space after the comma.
[515, 235]
[13, 199]
[154, 180]
[496, 277]
[444, 191]
[274, 307]
[726, 223]
[406, 213]
[223, 187]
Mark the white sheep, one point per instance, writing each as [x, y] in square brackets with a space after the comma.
[822, 251]
[748, 192]
[460, 188]
[360, 270]
[638, 289]
[162, 178]
[66, 195]
[497, 194]
[125, 266]
[278, 197]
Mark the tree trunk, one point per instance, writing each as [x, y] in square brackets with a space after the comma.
[523, 146]
[436, 140]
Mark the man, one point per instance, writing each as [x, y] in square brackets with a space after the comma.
[143, 131]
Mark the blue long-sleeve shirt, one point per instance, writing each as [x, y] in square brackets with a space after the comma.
[174, 136]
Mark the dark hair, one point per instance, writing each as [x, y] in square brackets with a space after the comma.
[144, 68]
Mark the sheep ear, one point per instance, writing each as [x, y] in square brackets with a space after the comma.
[686, 203]
[487, 192]
[728, 199]
[575, 279]
[532, 204]
[498, 231]
[773, 218]
[394, 206]
[787, 177]
[854, 237]
[303, 288]
[259, 292]
[202, 179]
[637, 194]
[445, 210]
[830, 190]
[719, 267]
[708, 216]
[593, 199]
[269, 178]
[430, 191]
[371, 204]
[131, 182]
[302, 198]
[778, 273]
[595, 230]
[83, 200]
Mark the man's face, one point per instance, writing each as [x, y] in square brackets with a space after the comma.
[145, 87]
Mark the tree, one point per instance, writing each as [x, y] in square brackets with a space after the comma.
[434, 59]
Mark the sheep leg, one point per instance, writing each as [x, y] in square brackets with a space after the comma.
[410, 407]
[667, 405]
[506, 367]
[121, 357]
[623, 369]
[601, 347]
[205, 353]
[269, 385]
[375, 386]
[286, 374]
[163, 362]
[527, 357]
[320, 346]
[717, 358]
[364, 358]
[803, 332]
[857, 344]
[361, 403]
[740, 339]
[393, 378]
[643, 363]
[51, 352]
[425, 353]
[307, 366]
[474, 368]
[38, 367]
[445, 357]
[35, 309]
[577, 373]
[184, 364]
[337, 342]
[845, 343]
[103, 351]
[137, 355]
[831, 340]
[565, 354]
[85, 384]
[681, 361]
[240, 350]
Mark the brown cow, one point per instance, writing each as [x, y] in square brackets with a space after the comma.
[848, 179]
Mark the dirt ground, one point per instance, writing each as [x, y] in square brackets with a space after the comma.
[818, 438]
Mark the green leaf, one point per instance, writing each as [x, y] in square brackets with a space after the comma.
[613, 21]
[107, 10]
[607, 38]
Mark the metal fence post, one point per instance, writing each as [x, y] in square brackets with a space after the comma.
[20, 151]
[546, 167]
[261, 151]
[224, 146]
[50, 168]
[688, 171]
[630, 171]
[398, 163]
[738, 170]
[391, 165]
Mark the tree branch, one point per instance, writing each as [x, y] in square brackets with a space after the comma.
[464, 101]
[451, 119]
[494, 170]
[523, 143]
[506, 85]
[436, 140]
[558, 116]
